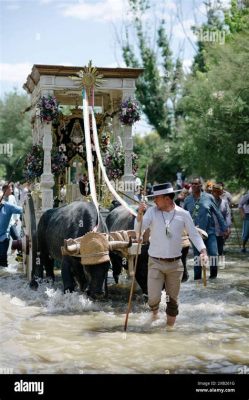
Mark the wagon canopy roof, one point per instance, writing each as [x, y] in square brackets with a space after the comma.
[64, 71]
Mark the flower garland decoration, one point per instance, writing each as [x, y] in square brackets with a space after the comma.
[33, 164]
[114, 160]
[58, 162]
[48, 109]
[129, 112]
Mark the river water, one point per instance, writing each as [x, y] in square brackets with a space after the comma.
[45, 331]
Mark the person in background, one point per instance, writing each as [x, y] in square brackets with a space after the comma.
[166, 222]
[179, 180]
[149, 188]
[202, 207]
[6, 212]
[209, 187]
[181, 197]
[225, 194]
[15, 219]
[138, 196]
[244, 212]
[224, 208]
[185, 240]
[137, 187]
[17, 192]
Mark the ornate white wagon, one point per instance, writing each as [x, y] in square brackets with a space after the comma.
[70, 133]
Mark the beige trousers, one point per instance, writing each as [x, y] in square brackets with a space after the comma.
[170, 274]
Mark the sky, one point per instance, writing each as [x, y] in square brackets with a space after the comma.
[72, 32]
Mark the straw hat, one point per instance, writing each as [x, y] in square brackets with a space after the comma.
[185, 236]
[217, 186]
[94, 248]
[203, 233]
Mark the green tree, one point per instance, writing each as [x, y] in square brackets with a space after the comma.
[215, 107]
[158, 87]
[15, 132]
[215, 23]
[236, 18]
[159, 154]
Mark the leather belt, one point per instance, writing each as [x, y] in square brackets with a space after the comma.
[167, 259]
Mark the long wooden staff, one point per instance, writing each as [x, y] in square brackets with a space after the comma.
[204, 270]
[135, 201]
[135, 266]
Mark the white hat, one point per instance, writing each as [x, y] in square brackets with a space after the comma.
[163, 188]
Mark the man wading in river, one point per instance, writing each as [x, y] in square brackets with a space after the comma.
[166, 222]
[202, 208]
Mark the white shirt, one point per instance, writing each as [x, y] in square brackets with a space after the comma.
[164, 246]
[227, 196]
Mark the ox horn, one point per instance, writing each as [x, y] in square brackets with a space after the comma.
[72, 246]
[115, 245]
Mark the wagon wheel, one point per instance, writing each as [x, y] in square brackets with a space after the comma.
[29, 240]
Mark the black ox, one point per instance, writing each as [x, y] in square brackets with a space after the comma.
[70, 221]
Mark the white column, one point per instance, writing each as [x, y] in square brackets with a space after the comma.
[116, 129]
[128, 176]
[47, 179]
[37, 132]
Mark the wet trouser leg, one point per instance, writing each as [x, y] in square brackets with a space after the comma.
[184, 262]
[155, 283]
[245, 230]
[170, 274]
[212, 251]
[172, 286]
[3, 253]
[220, 244]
